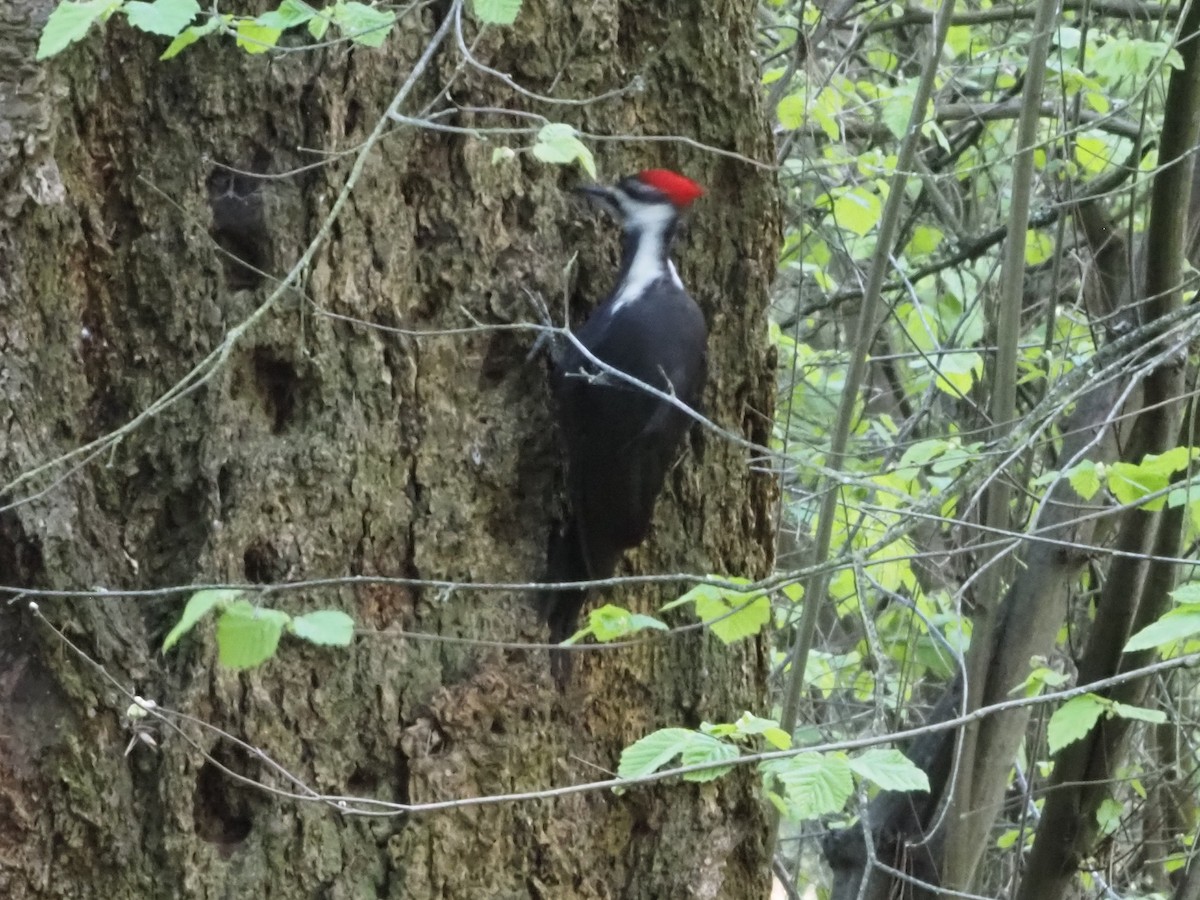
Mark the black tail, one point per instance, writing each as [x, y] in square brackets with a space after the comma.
[560, 608]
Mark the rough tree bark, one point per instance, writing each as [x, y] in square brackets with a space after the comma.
[325, 448]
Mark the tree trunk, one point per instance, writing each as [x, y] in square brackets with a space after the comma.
[322, 447]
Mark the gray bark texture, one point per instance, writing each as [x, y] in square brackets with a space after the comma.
[323, 448]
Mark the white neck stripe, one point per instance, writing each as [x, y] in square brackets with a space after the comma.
[649, 264]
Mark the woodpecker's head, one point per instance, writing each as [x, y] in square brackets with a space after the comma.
[650, 199]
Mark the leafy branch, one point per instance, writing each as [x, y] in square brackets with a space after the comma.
[360, 23]
[248, 634]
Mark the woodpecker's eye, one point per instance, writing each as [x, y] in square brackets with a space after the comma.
[638, 190]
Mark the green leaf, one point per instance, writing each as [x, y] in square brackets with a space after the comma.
[1085, 479]
[897, 109]
[750, 724]
[248, 635]
[326, 627]
[1068, 38]
[198, 606]
[653, 751]
[890, 769]
[959, 39]
[364, 24]
[1131, 482]
[69, 22]
[1008, 839]
[1039, 678]
[920, 453]
[791, 111]
[1093, 153]
[1184, 493]
[704, 749]
[925, 239]
[318, 25]
[826, 110]
[1169, 462]
[1038, 247]
[290, 14]
[1176, 625]
[772, 75]
[166, 17]
[731, 615]
[189, 36]
[778, 738]
[255, 38]
[497, 12]
[1121, 57]
[778, 802]
[1108, 815]
[815, 784]
[609, 622]
[1073, 720]
[558, 144]
[858, 209]
[638, 621]
[1139, 713]
[958, 372]
[1177, 862]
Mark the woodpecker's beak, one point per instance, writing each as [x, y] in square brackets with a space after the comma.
[598, 191]
[600, 195]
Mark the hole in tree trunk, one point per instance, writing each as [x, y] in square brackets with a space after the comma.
[239, 226]
[221, 807]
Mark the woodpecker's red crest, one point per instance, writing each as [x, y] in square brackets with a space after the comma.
[678, 189]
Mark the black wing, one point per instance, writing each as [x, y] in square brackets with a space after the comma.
[621, 440]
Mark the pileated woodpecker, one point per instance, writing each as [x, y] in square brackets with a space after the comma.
[620, 439]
